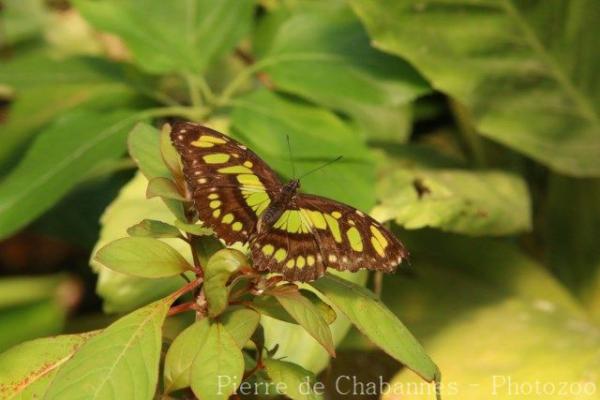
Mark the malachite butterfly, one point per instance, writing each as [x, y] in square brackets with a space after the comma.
[298, 235]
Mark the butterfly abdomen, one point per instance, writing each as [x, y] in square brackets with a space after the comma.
[277, 207]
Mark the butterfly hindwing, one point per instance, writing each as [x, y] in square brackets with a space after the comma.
[316, 233]
[230, 185]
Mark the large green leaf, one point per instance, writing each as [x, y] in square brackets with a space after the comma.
[378, 323]
[525, 70]
[263, 119]
[488, 314]
[121, 362]
[307, 315]
[142, 256]
[57, 161]
[416, 194]
[571, 234]
[322, 53]
[218, 367]
[122, 292]
[42, 94]
[241, 324]
[27, 370]
[172, 36]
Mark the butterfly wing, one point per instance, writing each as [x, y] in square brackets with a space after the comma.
[230, 185]
[317, 233]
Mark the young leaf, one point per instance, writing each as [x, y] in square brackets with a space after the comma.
[182, 352]
[49, 171]
[26, 370]
[145, 257]
[241, 324]
[154, 229]
[267, 305]
[216, 274]
[121, 362]
[172, 36]
[194, 229]
[378, 323]
[144, 147]
[520, 87]
[168, 152]
[218, 368]
[307, 315]
[291, 380]
[165, 188]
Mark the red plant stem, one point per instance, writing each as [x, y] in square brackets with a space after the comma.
[180, 308]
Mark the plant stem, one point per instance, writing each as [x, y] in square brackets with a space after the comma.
[193, 90]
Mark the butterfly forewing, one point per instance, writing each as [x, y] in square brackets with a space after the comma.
[230, 185]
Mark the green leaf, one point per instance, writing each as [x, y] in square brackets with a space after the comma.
[26, 370]
[269, 306]
[307, 315]
[155, 229]
[144, 147]
[523, 88]
[378, 323]
[22, 20]
[217, 272]
[291, 380]
[417, 195]
[217, 370]
[57, 161]
[167, 37]
[492, 312]
[571, 231]
[194, 229]
[43, 94]
[296, 345]
[120, 292]
[326, 311]
[144, 257]
[163, 187]
[31, 320]
[263, 119]
[182, 352]
[323, 54]
[241, 324]
[120, 362]
[168, 153]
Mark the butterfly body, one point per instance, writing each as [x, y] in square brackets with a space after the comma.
[298, 235]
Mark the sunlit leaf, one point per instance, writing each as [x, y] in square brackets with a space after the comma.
[163, 187]
[217, 369]
[26, 370]
[153, 228]
[182, 352]
[508, 63]
[217, 272]
[142, 256]
[378, 323]
[194, 229]
[121, 362]
[307, 315]
[241, 324]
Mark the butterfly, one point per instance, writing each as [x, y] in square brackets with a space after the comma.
[297, 235]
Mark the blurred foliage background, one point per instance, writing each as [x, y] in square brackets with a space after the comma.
[473, 127]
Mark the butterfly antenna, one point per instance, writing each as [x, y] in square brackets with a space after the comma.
[321, 167]
[291, 158]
